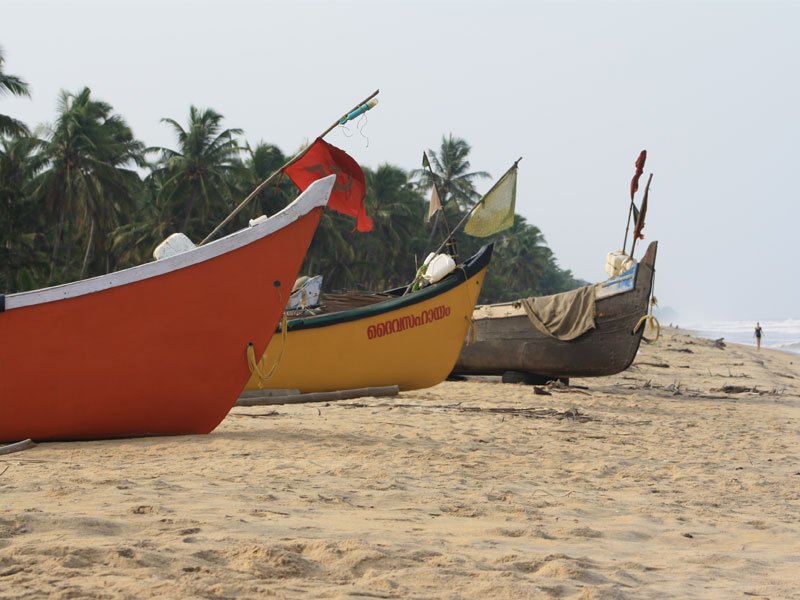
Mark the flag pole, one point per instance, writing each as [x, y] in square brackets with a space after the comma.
[450, 239]
[468, 214]
[352, 113]
[627, 227]
[642, 213]
[634, 186]
[477, 204]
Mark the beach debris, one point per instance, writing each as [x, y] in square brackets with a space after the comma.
[563, 385]
[572, 413]
[17, 447]
[719, 343]
[661, 365]
[540, 391]
[675, 388]
[734, 389]
[272, 413]
[688, 535]
[531, 413]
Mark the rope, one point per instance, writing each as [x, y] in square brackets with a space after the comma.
[650, 319]
[251, 353]
[414, 285]
[473, 334]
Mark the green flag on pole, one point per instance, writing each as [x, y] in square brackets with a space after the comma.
[495, 211]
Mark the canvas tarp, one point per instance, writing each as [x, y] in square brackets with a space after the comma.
[563, 316]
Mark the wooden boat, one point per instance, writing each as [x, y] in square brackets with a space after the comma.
[507, 343]
[157, 349]
[409, 340]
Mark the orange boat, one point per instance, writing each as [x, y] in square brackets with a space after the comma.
[157, 349]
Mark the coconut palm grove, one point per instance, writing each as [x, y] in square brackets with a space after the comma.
[81, 197]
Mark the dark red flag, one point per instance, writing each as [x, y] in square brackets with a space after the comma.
[347, 197]
[639, 170]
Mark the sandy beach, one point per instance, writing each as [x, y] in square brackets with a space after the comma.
[678, 478]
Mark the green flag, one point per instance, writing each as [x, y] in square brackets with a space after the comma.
[635, 213]
[495, 211]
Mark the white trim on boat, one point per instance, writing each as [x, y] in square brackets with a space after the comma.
[316, 195]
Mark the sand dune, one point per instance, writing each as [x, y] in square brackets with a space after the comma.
[661, 482]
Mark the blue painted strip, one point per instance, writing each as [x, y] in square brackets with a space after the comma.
[359, 111]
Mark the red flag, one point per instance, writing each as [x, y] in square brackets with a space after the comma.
[347, 197]
[639, 170]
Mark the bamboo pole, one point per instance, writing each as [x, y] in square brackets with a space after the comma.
[450, 239]
[291, 161]
[642, 212]
[477, 204]
[469, 213]
[627, 227]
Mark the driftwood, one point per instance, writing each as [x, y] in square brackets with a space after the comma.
[269, 397]
[734, 389]
[18, 447]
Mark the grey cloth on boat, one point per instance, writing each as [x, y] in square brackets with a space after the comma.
[563, 316]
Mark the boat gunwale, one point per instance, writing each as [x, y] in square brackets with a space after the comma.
[316, 195]
[464, 272]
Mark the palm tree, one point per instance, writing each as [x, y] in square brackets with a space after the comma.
[332, 252]
[398, 213]
[521, 261]
[451, 173]
[196, 176]
[260, 163]
[87, 185]
[144, 227]
[11, 84]
[19, 217]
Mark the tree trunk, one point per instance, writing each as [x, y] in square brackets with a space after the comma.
[189, 207]
[88, 251]
[57, 244]
[68, 257]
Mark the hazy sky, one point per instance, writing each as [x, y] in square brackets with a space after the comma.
[710, 89]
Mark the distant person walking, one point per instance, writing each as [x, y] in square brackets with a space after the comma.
[758, 333]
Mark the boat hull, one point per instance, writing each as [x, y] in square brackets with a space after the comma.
[513, 343]
[158, 355]
[410, 341]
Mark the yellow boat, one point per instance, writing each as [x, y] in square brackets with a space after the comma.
[409, 340]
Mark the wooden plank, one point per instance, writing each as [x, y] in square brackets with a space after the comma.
[18, 447]
[267, 393]
[266, 399]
